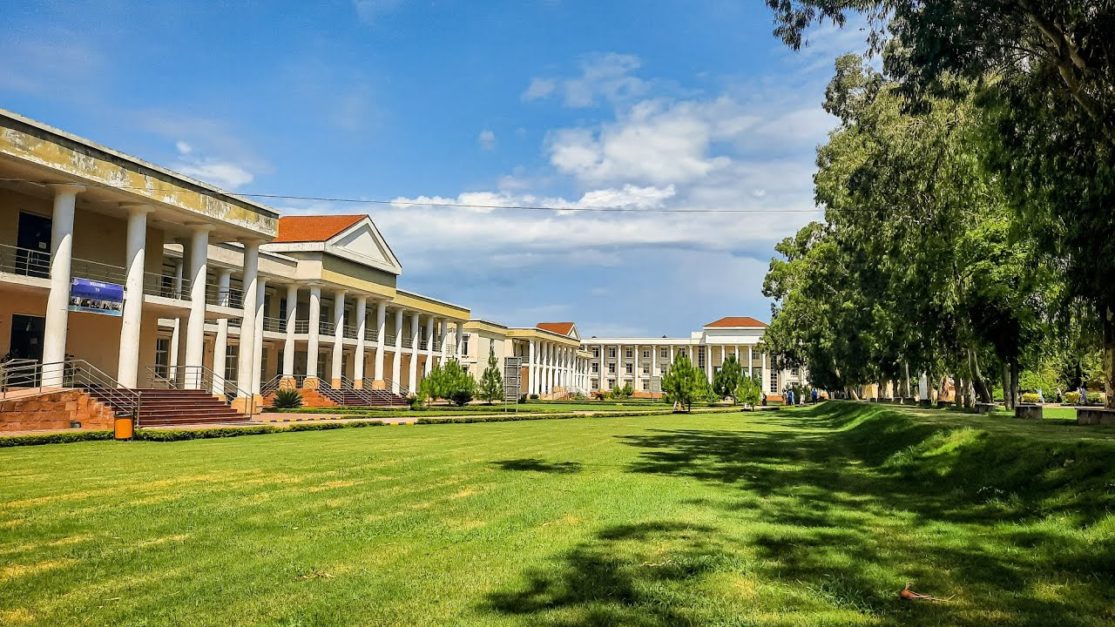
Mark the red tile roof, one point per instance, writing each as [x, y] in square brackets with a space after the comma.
[561, 328]
[733, 322]
[313, 228]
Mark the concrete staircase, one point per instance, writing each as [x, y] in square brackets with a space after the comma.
[169, 407]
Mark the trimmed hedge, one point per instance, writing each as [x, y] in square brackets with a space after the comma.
[559, 416]
[62, 437]
[175, 435]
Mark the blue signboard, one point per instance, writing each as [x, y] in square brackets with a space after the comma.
[96, 297]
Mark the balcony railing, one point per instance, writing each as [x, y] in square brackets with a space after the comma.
[158, 284]
[407, 343]
[274, 324]
[24, 261]
[301, 326]
[371, 335]
[97, 271]
[325, 327]
[350, 331]
[227, 297]
[388, 339]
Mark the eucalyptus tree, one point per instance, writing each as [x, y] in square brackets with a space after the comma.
[1045, 73]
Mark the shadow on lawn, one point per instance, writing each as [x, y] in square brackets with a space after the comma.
[538, 465]
[836, 511]
[974, 502]
[616, 577]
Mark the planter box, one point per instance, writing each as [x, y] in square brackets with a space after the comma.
[925, 402]
[985, 408]
[945, 404]
[1095, 416]
[1029, 412]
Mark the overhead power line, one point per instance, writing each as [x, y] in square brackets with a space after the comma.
[464, 205]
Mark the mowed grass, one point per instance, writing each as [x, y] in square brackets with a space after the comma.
[809, 516]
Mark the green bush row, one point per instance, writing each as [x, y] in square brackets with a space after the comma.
[174, 435]
[557, 416]
[62, 437]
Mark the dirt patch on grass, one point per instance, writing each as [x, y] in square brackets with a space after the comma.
[23, 570]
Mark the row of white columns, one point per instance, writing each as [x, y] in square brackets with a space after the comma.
[551, 366]
[691, 351]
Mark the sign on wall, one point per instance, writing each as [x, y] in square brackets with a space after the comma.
[512, 379]
[96, 297]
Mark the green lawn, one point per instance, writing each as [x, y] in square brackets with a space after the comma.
[814, 516]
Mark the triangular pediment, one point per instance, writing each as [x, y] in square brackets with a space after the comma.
[364, 243]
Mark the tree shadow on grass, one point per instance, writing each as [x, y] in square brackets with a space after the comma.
[616, 578]
[832, 491]
[538, 465]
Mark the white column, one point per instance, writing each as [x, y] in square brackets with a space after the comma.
[460, 340]
[127, 370]
[766, 375]
[397, 359]
[195, 327]
[314, 329]
[429, 345]
[531, 372]
[737, 353]
[361, 325]
[246, 352]
[708, 363]
[175, 344]
[750, 364]
[220, 345]
[257, 341]
[381, 330]
[671, 354]
[654, 361]
[178, 276]
[58, 301]
[414, 341]
[338, 369]
[291, 323]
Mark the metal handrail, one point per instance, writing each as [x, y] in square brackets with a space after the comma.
[301, 326]
[273, 324]
[201, 378]
[370, 334]
[166, 286]
[36, 379]
[408, 342]
[272, 385]
[97, 271]
[350, 331]
[325, 327]
[24, 261]
[369, 384]
[223, 297]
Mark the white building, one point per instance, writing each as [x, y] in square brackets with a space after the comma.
[642, 361]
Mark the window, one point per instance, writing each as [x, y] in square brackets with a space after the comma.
[596, 367]
[611, 368]
[629, 353]
[773, 380]
[664, 368]
[464, 344]
[646, 354]
[596, 352]
[628, 368]
[701, 357]
[664, 353]
[596, 384]
[612, 353]
[162, 356]
[646, 370]
[794, 372]
[232, 351]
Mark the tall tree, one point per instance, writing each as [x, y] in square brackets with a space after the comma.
[726, 380]
[1046, 72]
[491, 382]
[683, 383]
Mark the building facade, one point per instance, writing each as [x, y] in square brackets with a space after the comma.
[642, 361]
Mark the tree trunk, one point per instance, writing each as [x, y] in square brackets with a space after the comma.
[1109, 357]
[1008, 398]
[958, 390]
[1014, 382]
[982, 390]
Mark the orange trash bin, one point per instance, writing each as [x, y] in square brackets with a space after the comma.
[123, 428]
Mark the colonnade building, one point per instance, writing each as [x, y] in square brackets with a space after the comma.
[140, 277]
[641, 362]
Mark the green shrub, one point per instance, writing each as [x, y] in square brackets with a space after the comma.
[419, 401]
[1095, 398]
[1072, 398]
[64, 437]
[1030, 398]
[287, 399]
[461, 396]
[533, 397]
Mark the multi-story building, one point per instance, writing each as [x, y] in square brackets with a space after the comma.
[151, 279]
[642, 361]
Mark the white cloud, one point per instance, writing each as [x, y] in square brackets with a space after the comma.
[486, 139]
[604, 77]
[371, 10]
[182, 147]
[223, 174]
[539, 88]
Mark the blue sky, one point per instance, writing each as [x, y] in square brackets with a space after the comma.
[638, 104]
